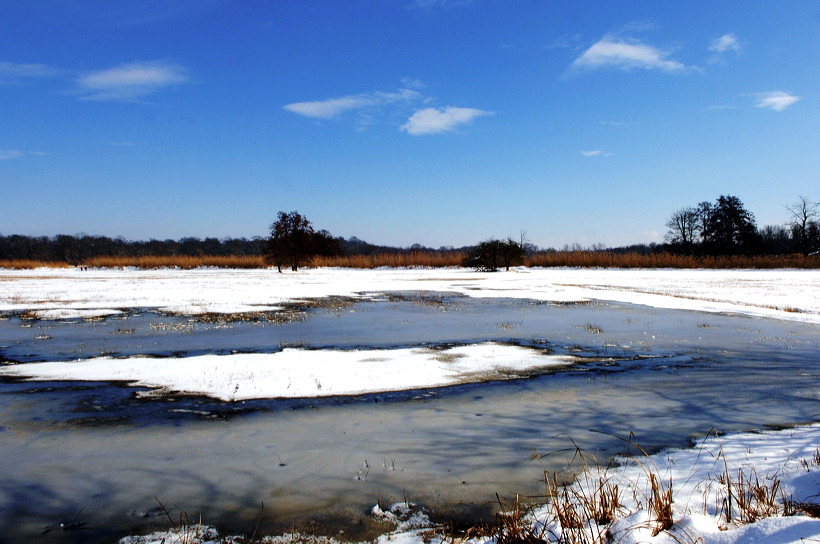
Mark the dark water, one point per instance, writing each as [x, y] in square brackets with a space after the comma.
[97, 457]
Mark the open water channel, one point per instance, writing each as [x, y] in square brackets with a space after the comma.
[98, 457]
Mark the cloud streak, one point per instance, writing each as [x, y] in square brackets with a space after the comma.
[11, 70]
[596, 153]
[8, 154]
[333, 108]
[776, 100]
[609, 53]
[438, 120]
[130, 82]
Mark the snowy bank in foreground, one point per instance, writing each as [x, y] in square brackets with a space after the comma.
[294, 373]
[706, 481]
[54, 294]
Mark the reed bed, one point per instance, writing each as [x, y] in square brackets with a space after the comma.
[422, 259]
[28, 264]
[608, 259]
[177, 261]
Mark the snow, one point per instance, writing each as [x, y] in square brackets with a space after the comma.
[785, 461]
[295, 373]
[67, 293]
[787, 458]
[781, 294]
[696, 474]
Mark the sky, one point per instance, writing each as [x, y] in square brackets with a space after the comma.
[438, 122]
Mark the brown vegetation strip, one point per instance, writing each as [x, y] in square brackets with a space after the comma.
[422, 259]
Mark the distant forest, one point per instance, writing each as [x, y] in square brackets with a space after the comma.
[79, 248]
[722, 228]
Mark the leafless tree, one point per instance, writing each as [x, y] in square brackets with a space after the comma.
[684, 226]
[804, 216]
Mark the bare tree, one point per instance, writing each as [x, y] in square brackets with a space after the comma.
[803, 221]
[684, 226]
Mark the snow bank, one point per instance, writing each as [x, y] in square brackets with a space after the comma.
[707, 482]
[294, 373]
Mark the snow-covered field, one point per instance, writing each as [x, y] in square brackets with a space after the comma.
[56, 293]
[790, 295]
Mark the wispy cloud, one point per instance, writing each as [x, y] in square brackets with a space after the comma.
[610, 52]
[369, 106]
[438, 120]
[776, 100]
[16, 71]
[727, 42]
[8, 154]
[596, 153]
[130, 82]
[335, 107]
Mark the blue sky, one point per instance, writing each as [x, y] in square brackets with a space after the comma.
[440, 122]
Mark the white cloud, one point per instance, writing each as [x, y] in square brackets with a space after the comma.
[11, 70]
[327, 109]
[608, 53]
[128, 82]
[727, 42]
[437, 120]
[6, 154]
[596, 153]
[334, 107]
[776, 100]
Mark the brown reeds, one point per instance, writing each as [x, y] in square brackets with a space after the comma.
[608, 259]
[432, 259]
[177, 261]
[29, 264]
[420, 259]
[513, 525]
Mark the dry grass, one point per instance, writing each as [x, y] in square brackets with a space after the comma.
[28, 264]
[422, 259]
[177, 261]
[513, 525]
[747, 499]
[607, 259]
[426, 259]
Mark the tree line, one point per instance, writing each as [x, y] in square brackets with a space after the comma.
[722, 228]
[726, 227]
[81, 247]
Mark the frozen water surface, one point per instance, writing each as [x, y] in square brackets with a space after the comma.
[103, 453]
